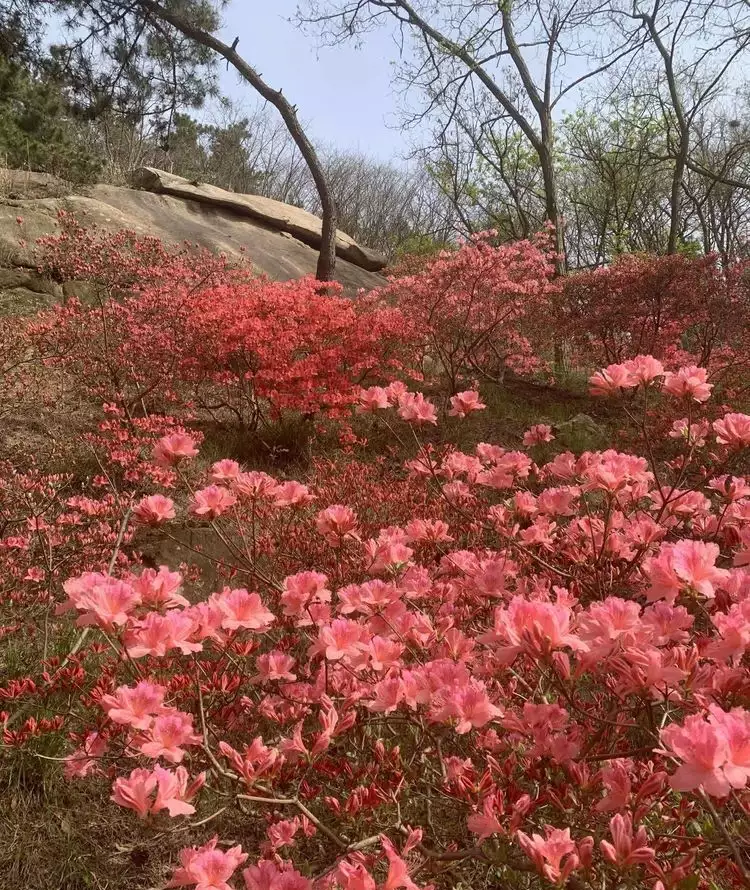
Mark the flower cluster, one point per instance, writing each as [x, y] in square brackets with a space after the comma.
[450, 663]
[554, 653]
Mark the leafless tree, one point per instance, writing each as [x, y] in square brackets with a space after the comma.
[327, 255]
[695, 45]
[527, 56]
[715, 188]
[104, 39]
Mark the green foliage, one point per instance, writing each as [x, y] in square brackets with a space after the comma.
[420, 246]
[214, 154]
[37, 131]
[119, 59]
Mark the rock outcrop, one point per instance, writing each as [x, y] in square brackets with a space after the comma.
[282, 217]
[279, 240]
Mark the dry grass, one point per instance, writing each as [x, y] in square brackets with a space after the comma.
[60, 835]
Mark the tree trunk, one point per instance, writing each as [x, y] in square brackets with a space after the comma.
[678, 175]
[549, 176]
[327, 256]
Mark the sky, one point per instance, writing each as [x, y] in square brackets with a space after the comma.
[343, 94]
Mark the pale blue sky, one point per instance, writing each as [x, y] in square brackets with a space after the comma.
[344, 94]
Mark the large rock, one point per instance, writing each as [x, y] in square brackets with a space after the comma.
[284, 217]
[36, 199]
[581, 433]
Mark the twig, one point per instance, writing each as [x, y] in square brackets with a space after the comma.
[719, 823]
[295, 802]
[209, 753]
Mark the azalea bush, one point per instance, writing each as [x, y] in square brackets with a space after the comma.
[19, 373]
[679, 308]
[184, 332]
[481, 309]
[434, 662]
[509, 666]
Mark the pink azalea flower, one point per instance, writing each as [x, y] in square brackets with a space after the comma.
[293, 748]
[685, 564]
[432, 531]
[282, 833]
[703, 748]
[254, 486]
[274, 665]
[531, 626]
[243, 609]
[373, 399]
[206, 618]
[742, 556]
[398, 871]
[644, 369]
[548, 853]
[734, 632]
[733, 430]
[382, 654]
[626, 849]
[693, 433]
[207, 867]
[170, 450]
[350, 876]
[607, 624]
[167, 734]
[562, 466]
[258, 759]
[694, 562]
[733, 488]
[156, 634]
[269, 875]
[291, 494]
[225, 471]
[414, 408]
[154, 510]
[335, 523]
[396, 390]
[464, 403]
[160, 588]
[134, 793]
[485, 823]
[85, 760]
[616, 780]
[610, 380]
[536, 435]
[469, 705]
[387, 555]
[688, 382]
[303, 590]
[666, 623]
[212, 501]
[735, 726]
[175, 790]
[105, 601]
[558, 501]
[135, 706]
[339, 639]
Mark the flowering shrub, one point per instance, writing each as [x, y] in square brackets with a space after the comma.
[479, 310]
[18, 373]
[479, 670]
[678, 308]
[446, 667]
[123, 261]
[176, 331]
